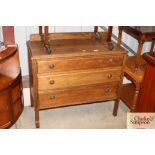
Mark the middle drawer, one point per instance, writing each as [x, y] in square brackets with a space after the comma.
[72, 79]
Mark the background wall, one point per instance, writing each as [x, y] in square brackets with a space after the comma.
[1, 36]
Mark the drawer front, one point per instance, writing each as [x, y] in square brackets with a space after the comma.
[60, 65]
[78, 78]
[78, 95]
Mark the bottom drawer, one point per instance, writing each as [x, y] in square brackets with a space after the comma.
[77, 95]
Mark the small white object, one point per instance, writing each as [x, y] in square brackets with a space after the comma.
[96, 50]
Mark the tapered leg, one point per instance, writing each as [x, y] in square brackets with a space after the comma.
[37, 123]
[116, 107]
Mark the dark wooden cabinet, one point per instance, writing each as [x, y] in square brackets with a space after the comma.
[147, 95]
[11, 96]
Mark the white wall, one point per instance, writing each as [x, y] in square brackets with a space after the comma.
[22, 34]
[1, 36]
[20, 39]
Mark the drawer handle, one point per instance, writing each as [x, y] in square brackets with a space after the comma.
[111, 60]
[52, 97]
[107, 90]
[51, 82]
[109, 76]
[51, 66]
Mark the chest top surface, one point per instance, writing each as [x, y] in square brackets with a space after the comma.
[71, 47]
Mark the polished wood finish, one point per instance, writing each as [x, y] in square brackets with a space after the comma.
[46, 35]
[81, 69]
[110, 28]
[146, 101]
[78, 95]
[150, 58]
[129, 69]
[8, 34]
[78, 78]
[11, 97]
[89, 62]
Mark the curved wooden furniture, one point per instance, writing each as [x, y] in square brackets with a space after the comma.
[11, 96]
[147, 94]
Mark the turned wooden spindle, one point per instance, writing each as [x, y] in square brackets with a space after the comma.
[95, 29]
[109, 33]
[46, 35]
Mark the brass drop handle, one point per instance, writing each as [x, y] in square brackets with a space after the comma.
[51, 66]
[51, 82]
[109, 76]
[52, 97]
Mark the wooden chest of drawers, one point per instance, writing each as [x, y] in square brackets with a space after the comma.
[79, 70]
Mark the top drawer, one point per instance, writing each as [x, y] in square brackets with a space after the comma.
[77, 63]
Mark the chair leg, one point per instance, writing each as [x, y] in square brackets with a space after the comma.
[135, 100]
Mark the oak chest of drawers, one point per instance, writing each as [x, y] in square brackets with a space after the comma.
[79, 70]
